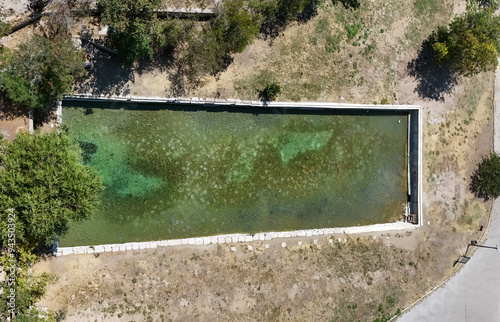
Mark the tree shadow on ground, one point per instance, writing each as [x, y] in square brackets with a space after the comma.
[182, 79]
[10, 110]
[42, 116]
[186, 74]
[434, 80]
[106, 74]
[274, 26]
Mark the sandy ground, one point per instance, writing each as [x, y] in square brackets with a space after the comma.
[354, 279]
[13, 8]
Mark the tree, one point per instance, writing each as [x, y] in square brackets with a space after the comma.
[59, 22]
[485, 181]
[43, 180]
[471, 42]
[277, 14]
[234, 26]
[134, 29]
[270, 92]
[43, 185]
[229, 32]
[40, 71]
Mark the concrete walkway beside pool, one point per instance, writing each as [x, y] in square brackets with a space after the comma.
[473, 294]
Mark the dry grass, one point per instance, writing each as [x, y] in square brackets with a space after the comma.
[346, 53]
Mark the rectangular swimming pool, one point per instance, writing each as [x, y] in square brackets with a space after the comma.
[175, 171]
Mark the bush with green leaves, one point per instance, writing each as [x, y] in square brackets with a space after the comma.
[230, 31]
[40, 71]
[43, 179]
[270, 92]
[277, 14]
[234, 27]
[134, 30]
[485, 181]
[28, 290]
[471, 42]
[349, 4]
[43, 186]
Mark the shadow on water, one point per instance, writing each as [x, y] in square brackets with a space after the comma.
[150, 106]
[434, 80]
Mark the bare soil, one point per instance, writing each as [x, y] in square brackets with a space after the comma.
[354, 279]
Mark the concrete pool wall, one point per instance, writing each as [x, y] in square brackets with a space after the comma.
[413, 216]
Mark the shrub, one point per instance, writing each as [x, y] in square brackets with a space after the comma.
[133, 27]
[270, 92]
[40, 71]
[471, 42]
[485, 181]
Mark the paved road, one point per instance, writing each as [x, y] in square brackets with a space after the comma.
[474, 293]
[471, 295]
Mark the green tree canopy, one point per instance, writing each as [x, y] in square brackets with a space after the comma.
[43, 179]
[230, 31]
[234, 27]
[471, 41]
[134, 29]
[40, 71]
[485, 181]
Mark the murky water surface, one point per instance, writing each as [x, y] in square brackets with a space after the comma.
[174, 173]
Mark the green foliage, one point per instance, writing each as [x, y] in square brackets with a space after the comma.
[229, 32]
[234, 26]
[43, 179]
[205, 55]
[485, 181]
[134, 29]
[440, 51]
[471, 42]
[277, 14]
[352, 30]
[4, 26]
[40, 71]
[487, 4]
[28, 289]
[270, 92]
[349, 4]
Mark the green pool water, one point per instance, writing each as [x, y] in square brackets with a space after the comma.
[174, 172]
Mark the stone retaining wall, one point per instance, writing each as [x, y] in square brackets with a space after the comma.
[232, 238]
[236, 102]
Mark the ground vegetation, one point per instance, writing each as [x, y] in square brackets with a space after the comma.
[40, 71]
[471, 41]
[43, 186]
[485, 181]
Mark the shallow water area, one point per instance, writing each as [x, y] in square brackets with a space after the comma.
[175, 172]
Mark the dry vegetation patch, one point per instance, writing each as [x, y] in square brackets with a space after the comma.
[356, 278]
